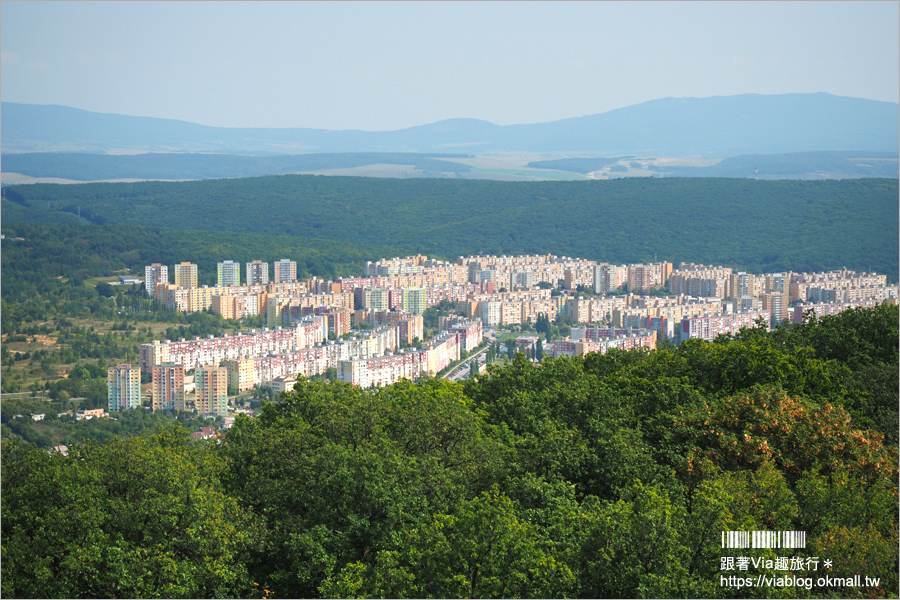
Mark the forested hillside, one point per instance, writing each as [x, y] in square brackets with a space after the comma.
[608, 476]
[758, 226]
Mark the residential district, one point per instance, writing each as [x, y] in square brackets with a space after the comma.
[309, 321]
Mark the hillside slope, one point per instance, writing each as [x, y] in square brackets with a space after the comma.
[757, 225]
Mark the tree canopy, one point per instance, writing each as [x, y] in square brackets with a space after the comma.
[600, 476]
[707, 220]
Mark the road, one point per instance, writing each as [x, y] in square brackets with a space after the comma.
[463, 371]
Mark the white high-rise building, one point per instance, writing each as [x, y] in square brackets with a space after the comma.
[153, 274]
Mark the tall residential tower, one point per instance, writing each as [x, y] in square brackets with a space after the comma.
[186, 275]
[285, 270]
[154, 274]
[228, 273]
[123, 387]
[257, 273]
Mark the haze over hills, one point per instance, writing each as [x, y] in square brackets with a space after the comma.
[716, 127]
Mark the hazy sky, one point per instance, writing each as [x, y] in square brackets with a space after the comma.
[385, 65]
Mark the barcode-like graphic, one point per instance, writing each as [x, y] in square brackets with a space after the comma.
[764, 539]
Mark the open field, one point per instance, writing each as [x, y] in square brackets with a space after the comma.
[7, 178]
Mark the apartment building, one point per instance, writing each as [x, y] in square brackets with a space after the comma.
[153, 275]
[215, 350]
[282, 384]
[505, 271]
[287, 310]
[512, 308]
[306, 363]
[167, 391]
[384, 370]
[487, 310]
[123, 387]
[186, 275]
[595, 334]
[298, 288]
[640, 279]
[777, 282]
[396, 265]
[211, 390]
[228, 273]
[285, 271]
[471, 333]
[595, 310]
[777, 303]
[832, 280]
[708, 328]
[442, 351]
[743, 284]
[349, 284]
[241, 374]
[624, 341]
[700, 281]
[826, 309]
[249, 371]
[257, 272]
[411, 328]
[415, 300]
[377, 299]
[608, 278]
[372, 343]
[338, 319]
[238, 307]
[577, 276]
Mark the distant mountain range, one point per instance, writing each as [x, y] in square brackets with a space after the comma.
[717, 127]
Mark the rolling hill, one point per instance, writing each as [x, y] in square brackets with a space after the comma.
[717, 127]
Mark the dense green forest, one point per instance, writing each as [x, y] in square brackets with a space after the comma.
[607, 476]
[759, 226]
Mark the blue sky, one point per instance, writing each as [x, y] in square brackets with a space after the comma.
[385, 65]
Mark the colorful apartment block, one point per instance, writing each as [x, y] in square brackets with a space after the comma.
[415, 300]
[241, 374]
[285, 271]
[123, 386]
[211, 384]
[167, 391]
[228, 273]
[186, 275]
